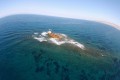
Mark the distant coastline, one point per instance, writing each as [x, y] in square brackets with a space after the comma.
[110, 24]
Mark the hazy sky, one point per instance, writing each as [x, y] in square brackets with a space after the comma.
[104, 10]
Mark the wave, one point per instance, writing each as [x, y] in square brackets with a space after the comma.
[44, 37]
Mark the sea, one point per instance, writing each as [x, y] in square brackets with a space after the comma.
[24, 58]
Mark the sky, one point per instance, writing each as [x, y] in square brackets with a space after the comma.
[101, 10]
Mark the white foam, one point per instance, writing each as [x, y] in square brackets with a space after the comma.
[35, 33]
[77, 44]
[45, 37]
[57, 42]
[44, 33]
[40, 39]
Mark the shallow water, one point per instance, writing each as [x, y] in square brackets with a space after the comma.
[24, 58]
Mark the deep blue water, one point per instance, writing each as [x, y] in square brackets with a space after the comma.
[23, 58]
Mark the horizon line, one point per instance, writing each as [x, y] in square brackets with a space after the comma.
[112, 24]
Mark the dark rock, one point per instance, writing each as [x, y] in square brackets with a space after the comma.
[102, 48]
[48, 64]
[65, 69]
[65, 73]
[116, 63]
[115, 76]
[67, 77]
[48, 72]
[56, 67]
[87, 43]
[83, 75]
[42, 51]
[33, 52]
[48, 69]
[104, 76]
[39, 69]
[48, 60]
[115, 60]
[36, 56]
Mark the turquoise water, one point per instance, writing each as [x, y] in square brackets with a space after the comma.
[24, 58]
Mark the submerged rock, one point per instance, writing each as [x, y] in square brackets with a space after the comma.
[57, 67]
[39, 69]
[36, 56]
[116, 63]
[65, 73]
[83, 75]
